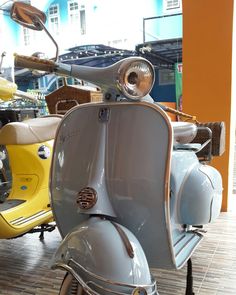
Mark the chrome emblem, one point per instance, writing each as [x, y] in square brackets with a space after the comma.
[44, 152]
[139, 291]
[87, 198]
[104, 114]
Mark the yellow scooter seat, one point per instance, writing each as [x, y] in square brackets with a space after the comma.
[30, 131]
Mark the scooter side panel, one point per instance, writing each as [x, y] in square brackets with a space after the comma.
[184, 242]
[27, 206]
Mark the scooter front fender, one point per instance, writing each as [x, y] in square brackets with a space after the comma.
[107, 255]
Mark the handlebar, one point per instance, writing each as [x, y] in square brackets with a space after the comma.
[45, 65]
[91, 74]
[33, 62]
[112, 79]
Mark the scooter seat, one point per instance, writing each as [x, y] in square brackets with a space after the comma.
[184, 132]
[30, 131]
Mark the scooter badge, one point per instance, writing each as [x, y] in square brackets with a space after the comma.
[44, 152]
[87, 198]
[139, 291]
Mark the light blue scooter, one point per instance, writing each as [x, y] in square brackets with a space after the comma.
[128, 191]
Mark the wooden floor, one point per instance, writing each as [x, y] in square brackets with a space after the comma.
[24, 264]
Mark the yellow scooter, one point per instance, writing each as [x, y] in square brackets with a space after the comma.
[28, 147]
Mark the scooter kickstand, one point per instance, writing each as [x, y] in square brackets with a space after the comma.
[41, 236]
[189, 279]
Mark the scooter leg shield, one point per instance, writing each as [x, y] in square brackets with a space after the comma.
[108, 256]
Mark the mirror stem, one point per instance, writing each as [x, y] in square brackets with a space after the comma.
[2, 56]
[38, 22]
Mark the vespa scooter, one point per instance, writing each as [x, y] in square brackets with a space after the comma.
[127, 189]
[25, 158]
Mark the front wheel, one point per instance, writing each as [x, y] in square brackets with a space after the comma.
[70, 286]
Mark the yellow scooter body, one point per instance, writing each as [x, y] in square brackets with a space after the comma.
[7, 89]
[28, 204]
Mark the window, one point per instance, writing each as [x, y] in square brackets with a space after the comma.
[53, 10]
[76, 82]
[82, 20]
[166, 77]
[77, 16]
[170, 5]
[60, 82]
[26, 36]
[119, 43]
[36, 84]
[54, 19]
[73, 10]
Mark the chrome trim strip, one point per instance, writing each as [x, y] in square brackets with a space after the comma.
[185, 244]
[179, 240]
[125, 240]
[167, 177]
[190, 254]
[17, 219]
[77, 277]
[114, 292]
[109, 282]
[23, 220]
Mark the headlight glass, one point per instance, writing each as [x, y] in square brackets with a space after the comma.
[136, 79]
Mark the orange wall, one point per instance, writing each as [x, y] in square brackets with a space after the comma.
[207, 55]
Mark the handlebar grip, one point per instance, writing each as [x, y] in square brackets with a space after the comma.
[34, 63]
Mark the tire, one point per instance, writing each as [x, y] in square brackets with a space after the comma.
[70, 286]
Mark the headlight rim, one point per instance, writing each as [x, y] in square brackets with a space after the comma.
[122, 78]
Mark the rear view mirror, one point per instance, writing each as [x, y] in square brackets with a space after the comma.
[32, 18]
[28, 16]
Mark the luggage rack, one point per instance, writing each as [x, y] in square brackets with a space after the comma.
[211, 136]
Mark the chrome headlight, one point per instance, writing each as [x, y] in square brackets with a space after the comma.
[136, 78]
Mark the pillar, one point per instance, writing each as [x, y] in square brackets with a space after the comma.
[207, 73]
